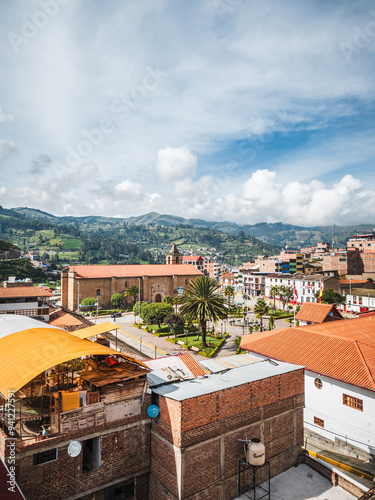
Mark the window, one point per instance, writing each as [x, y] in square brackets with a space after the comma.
[352, 402]
[318, 421]
[360, 300]
[45, 456]
[318, 383]
[91, 454]
[98, 292]
[126, 284]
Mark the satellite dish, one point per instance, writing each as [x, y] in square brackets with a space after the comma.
[153, 411]
[74, 449]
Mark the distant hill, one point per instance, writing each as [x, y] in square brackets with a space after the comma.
[276, 234]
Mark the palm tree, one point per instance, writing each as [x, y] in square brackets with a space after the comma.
[273, 292]
[261, 309]
[203, 302]
[132, 292]
[229, 293]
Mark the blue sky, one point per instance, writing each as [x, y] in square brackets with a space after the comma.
[233, 110]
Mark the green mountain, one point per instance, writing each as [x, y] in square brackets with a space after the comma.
[276, 234]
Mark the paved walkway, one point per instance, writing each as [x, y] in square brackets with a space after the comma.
[152, 346]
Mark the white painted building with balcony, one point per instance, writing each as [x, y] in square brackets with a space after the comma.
[25, 300]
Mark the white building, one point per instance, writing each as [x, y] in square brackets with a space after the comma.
[339, 360]
[25, 300]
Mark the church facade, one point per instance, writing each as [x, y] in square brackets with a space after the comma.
[155, 281]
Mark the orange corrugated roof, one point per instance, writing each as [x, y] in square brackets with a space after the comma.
[23, 291]
[193, 366]
[344, 350]
[128, 271]
[353, 282]
[316, 313]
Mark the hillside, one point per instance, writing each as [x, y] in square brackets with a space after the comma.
[275, 234]
[105, 240]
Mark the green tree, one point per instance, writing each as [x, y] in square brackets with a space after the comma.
[117, 299]
[261, 309]
[168, 299]
[155, 313]
[176, 323]
[274, 291]
[330, 297]
[285, 293]
[132, 292]
[229, 293]
[203, 302]
[88, 301]
[271, 323]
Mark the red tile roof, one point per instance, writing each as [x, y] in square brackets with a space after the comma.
[317, 313]
[353, 282]
[128, 271]
[63, 319]
[344, 350]
[23, 291]
[192, 257]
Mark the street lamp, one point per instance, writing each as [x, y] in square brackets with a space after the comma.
[79, 311]
[97, 307]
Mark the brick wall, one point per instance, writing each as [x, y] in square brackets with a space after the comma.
[125, 453]
[196, 442]
[150, 287]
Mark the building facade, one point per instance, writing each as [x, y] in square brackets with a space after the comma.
[154, 281]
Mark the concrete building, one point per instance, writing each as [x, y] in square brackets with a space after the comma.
[25, 299]
[339, 360]
[154, 281]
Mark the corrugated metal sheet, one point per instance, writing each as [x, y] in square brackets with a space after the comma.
[12, 323]
[234, 377]
[219, 364]
[92, 331]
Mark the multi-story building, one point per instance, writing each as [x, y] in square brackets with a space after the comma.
[194, 260]
[25, 299]
[339, 360]
[365, 246]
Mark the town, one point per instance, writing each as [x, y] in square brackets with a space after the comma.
[115, 366]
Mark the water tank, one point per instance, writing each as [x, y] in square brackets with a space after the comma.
[256, 454]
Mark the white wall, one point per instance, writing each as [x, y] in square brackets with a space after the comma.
[340, 421]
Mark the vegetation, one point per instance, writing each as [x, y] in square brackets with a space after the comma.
[133, 291]
[154, 313]
[176, 323]
[330, 297]
[88, 302]
[117, 299]
[203, 302]
[261, 309]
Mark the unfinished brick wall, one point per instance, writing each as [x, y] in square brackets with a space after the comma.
[125, 454]
[196, 442]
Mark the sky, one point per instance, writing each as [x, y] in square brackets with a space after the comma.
[234, 110]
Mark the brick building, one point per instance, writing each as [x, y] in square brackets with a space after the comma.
[60, 399]
[198, 438]
[154, 281]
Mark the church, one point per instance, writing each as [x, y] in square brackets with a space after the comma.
[155, 281]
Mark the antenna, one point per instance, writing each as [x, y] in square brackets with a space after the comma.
[333, 241]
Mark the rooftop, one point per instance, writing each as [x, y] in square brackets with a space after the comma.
[317, 313]
[219, 381]
[128, 271]
[344, 350]
[23, 291]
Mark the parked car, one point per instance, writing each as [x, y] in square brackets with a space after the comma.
[116, 315]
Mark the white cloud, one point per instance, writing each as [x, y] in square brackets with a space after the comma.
[6, 149]
[175, 163]
[5, 117]
[128, 185]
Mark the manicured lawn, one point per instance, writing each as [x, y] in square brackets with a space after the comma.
[192, 341]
